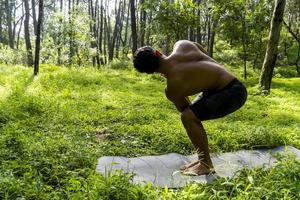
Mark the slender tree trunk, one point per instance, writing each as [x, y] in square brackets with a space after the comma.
[126, 42]
[199, 37]
[142, 24]
[1, 22]
[8, 8]
[20, 27]
[106, 32]
[293, 33]
[212, 39]
[272, 48]
[148, 33]
[15, 23]
[133, 27]
[119, 35]
[93, 33]
[126, 31]
[72, 47]
[244, 28]
[38, 37]
[60, 35]
[298, 60]
[96, 33]
[19, 31]
[34, 16]
[114, 36]
[208, 19]
[27, 34]
[101, 33]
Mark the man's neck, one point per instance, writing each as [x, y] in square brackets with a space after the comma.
[165, 66]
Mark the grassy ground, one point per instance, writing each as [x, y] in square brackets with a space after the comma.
[54, 127]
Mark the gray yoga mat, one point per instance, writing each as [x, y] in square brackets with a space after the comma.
[164, 171]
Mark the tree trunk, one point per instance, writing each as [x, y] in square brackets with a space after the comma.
[70, 32]
[1, 21]
[294, 34]
[272, 48]
[212, 39]
[133, 27]
[27, 34]
[199, 37]
[93, 30]
[101, 33]
[208, 22]
[60, 35]
[244, 28]
[148, 33]
[115, 33]
[142, 24]
[119, 37]
[298, 60]
[126, 29]
[38, 37]
[106, 34]
[34, 17]
[8, 9]
[19, 31]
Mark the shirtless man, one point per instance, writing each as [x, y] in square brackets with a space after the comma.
[189, 70]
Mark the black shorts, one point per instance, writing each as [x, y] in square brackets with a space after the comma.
[218, 103]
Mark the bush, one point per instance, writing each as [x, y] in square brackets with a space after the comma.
[11, 56]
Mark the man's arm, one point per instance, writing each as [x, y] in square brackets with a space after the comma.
[181, 103]
[201, 48]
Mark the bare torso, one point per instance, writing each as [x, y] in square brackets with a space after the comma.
[193, 71]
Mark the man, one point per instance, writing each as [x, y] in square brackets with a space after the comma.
[189, 70]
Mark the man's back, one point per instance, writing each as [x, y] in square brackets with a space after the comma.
[193, 71]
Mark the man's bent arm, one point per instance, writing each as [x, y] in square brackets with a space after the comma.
[181, 103]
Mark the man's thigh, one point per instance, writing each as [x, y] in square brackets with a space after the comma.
[216, 104]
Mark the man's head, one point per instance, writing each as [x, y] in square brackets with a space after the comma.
[147, 60]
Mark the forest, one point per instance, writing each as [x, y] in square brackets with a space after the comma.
[97, 32]
[69, 94]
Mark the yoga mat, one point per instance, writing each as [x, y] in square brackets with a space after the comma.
[163, 170]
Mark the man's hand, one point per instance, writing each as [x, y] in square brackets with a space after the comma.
[181, 103]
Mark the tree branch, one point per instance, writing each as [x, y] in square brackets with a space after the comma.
[291, 32]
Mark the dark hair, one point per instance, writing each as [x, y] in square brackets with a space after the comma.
[145, 60]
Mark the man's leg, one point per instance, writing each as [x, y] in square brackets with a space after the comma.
[198, 137]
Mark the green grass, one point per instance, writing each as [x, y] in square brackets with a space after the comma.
[54, 127]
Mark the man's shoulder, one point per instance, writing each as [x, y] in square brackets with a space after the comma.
[183, 43]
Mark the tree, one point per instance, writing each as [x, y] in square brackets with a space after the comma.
[142, 23]
[1, 22]
[133, 26]
[111, 46]
[27, 34]
[272, 48]
[38, 37]
[9, 21]
[70, 31]
[34, 16]
[292, 24]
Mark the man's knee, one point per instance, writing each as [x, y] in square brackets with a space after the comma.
[188, 115]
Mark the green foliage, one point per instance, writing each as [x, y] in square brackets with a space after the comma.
[171, 20]
[246, 23]
[60, 29]
[11, 56]
[55, 126]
